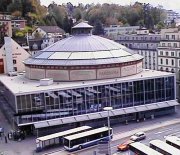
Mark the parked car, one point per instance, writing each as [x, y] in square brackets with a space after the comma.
[138, 136]
[124, 146]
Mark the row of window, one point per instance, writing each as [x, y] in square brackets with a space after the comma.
[169, 45]
[139, 38]
[167, 62]
[172, 37]
[168, 53]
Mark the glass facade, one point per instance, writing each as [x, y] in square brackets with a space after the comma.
[63, 103]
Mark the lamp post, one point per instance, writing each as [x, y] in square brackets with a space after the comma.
[109, 135]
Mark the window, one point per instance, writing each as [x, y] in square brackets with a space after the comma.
[172, 54]
[163, 44]
[161, 53]
[14, 61]
[173, 37]
[169, 44]
[166, 61]
[172, 62]
[161, 61]
[167, 37]
[166, 53]
[15, 68]
[175, 44]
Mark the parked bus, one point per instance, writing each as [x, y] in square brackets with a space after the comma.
[86, 139]
[138, 148]
[174, 141]
[57, 138]
[164, 148]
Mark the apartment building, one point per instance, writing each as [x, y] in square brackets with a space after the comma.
[169, 53]
[143, 43]
[113, 30]
[170, 16]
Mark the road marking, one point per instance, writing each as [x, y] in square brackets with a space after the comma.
[57, 151]
[163, 131]
[173, 134]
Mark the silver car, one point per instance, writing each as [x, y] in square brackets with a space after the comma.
[138, 136]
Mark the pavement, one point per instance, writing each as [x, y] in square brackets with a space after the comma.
[121, 131]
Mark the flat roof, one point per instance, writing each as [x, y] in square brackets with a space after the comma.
[164, 146]
[20, 85]
[173, 139]
[87, 133]
[144, 148]
[63, 133]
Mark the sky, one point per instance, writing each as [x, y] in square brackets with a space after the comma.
[167, 4]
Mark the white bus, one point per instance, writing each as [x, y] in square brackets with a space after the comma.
[164, 148]
[174, 141]
[138, 148]
[57, 138]
[86, 139]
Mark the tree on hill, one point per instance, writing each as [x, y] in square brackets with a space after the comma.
[98, 28]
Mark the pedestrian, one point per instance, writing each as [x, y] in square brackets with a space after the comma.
[5, 138]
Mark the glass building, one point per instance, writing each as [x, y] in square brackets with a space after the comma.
[89, 73]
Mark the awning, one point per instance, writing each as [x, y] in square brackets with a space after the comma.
[94, 116]
[55, 122]
[152, 106]
[141, 108]
[81, 118]
[67, 120]
[103, 114]
[163, 104]
[173, 103]
[118, 112]
[41, 124]
[130, 110]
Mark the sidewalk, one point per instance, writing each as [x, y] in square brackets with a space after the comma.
[148, 128]
[27, 146]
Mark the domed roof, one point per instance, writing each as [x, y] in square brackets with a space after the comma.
[83, 48]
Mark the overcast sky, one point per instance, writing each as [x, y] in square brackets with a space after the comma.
[167, 4]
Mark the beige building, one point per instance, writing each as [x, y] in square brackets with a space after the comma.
[48, 32]
[12, 56]
[169, 53]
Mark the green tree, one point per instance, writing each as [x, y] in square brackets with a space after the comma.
[15, 6]
[98, 28]
[67, 24]
[160, 25]
[77, 13]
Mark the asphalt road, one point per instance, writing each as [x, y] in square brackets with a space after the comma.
[159, 133]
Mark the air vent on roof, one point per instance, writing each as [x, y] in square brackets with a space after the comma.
[46, 82]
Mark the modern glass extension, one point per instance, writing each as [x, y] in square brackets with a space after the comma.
[82, 100]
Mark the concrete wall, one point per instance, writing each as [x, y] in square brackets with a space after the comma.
[89, 74]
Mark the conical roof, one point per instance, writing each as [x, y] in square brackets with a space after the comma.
[83, 49]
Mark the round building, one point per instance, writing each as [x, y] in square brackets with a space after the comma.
[83, 56]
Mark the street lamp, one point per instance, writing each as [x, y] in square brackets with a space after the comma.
[109, 135]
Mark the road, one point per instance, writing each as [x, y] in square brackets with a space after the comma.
[159, 133]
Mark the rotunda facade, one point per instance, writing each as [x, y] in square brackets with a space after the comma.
[83, 56]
